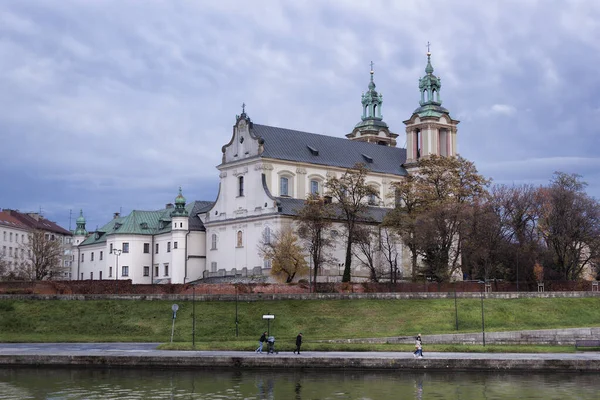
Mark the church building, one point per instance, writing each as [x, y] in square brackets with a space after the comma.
[266, 173]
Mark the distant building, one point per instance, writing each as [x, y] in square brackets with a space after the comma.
[266, 173]
[17, 226]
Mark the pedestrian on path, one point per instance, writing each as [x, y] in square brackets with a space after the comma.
[418, 347]
[298, 343]
[261, 341]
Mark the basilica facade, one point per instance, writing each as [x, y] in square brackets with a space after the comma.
[266, 173]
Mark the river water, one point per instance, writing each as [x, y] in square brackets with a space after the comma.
[114, 383]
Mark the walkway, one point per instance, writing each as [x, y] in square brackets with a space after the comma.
[146, 355]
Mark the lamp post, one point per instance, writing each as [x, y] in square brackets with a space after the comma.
[482, 314]
[117, 253]
[236, 311]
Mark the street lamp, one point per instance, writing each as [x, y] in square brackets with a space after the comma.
[117, 253]
[482, 314]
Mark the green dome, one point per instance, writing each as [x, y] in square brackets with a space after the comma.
[180, 199]
[81, 218]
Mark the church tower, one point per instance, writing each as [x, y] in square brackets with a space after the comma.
[180, 221]
[80, 233]
[430, 130]
[371, 128]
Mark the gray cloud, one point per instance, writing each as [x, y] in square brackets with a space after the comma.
[113, 101]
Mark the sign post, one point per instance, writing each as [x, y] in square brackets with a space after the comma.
[268, 317]
[175, 307]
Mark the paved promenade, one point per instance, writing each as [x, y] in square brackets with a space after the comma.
[146, 355]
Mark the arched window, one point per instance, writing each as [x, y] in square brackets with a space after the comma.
[241, 186]
[267, 235]
[213, 241]
[240, 241]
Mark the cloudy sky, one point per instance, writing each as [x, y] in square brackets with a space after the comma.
[112, 105]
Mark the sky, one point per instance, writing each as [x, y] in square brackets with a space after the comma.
[110, 106]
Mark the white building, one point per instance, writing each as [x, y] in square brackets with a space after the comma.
[266, 173]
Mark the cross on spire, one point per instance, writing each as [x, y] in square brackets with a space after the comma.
[428, 44]
[243, 108]
[371, 66]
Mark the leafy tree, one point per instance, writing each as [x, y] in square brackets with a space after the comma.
[287, 258]
[403, 218]
[314, 220]
[351, 194]
[43, 257]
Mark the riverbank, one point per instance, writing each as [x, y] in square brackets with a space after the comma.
[145, 355]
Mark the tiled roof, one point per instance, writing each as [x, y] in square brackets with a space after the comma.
[287, 144]
[291, 207]
[148, 222]
[38, 223]
[9, 221]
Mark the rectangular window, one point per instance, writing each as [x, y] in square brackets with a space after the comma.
[22, 254]
[109, 272]
[267, 263]
[92, 256]
[213, 241]
[124, 270]
[146, 248]
[3, 250]
[146, 271]
[100, 275]
[101, 254]
[156, 248]
[283, 186]
[174, 245]
[314, 187]
[166, 269]
[168, 247]
[10, 251]
[82, 257]
[241, 186]
[16, 238]
[11, 237]
[125, 247]
[91, 275]
[156, 270]
[22, 238]
[213, 266]
[111, 248]
[4, 235]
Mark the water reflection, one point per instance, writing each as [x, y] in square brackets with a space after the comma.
[114, 383]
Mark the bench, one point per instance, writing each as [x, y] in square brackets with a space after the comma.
[587, 343]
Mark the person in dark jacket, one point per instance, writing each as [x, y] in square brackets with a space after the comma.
[261, 341]
[298, 343]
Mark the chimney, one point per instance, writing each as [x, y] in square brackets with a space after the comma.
[116, 215]
[169, 205]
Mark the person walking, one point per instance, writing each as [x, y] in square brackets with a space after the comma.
[261, 341]
[418, 347]
[298, 343]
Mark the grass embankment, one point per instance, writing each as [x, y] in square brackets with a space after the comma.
[150, 321]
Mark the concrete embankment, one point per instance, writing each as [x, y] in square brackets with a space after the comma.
[574, 362]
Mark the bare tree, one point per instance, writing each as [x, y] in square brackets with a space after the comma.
[570, 225]
[285, 253]
[314, 220]
[43, 256]
[351, 194]
[366, 249]
[389, 250]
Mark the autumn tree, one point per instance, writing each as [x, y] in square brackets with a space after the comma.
[43, 257]
[351, 195]
[314, 219]
[287, 258]
[403, 218]
[389, 250]
[570, 225]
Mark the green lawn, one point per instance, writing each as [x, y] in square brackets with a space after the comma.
[128, 320]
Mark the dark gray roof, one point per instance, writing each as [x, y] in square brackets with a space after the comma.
[291, 207]
[195, 224]
[287, 144]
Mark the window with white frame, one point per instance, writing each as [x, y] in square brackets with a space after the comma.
[125, 247]
[168, 247]
[174, 245]
[146, 271]
[124, 270]
[240, 186]
[314, 187]
[213, 241]
[101, 255]
[267, 235]
[92, 256]
[213, 266]
[166, 269]
[284, 189]
[109, 272]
